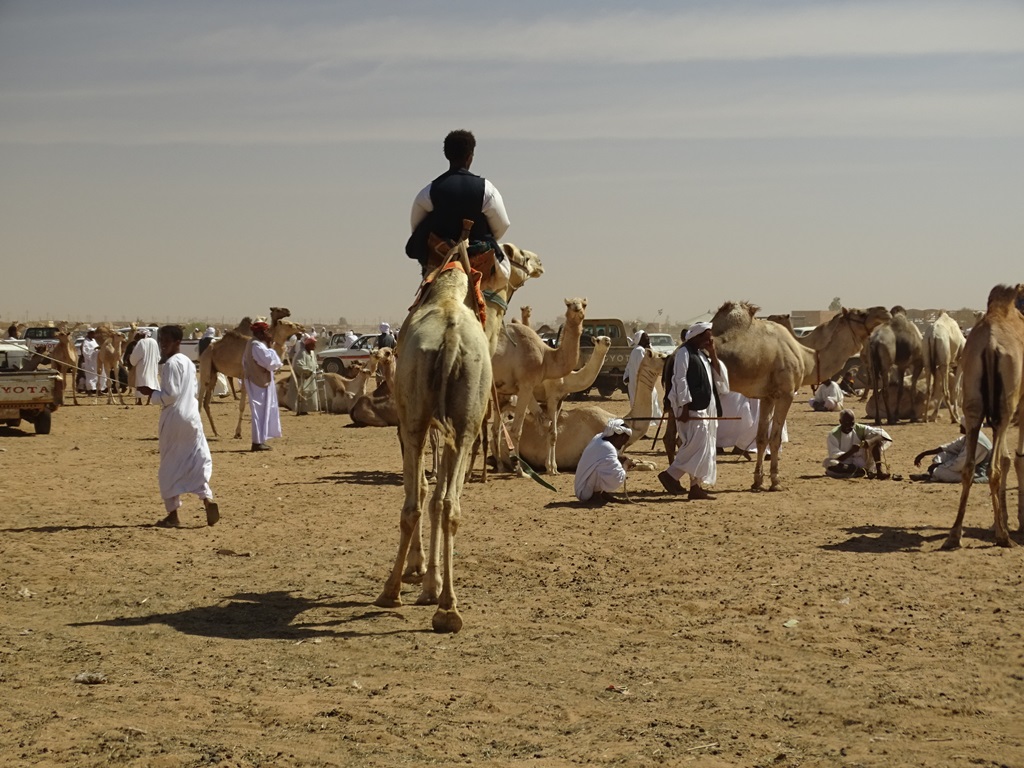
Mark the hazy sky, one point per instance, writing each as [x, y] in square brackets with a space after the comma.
[172, 160]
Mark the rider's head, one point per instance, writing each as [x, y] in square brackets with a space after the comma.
[458, 148]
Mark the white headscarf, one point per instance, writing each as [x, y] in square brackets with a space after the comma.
[696, 330]
[616, 427]
[144, 332]
[634, 339]
[210, 332]
[385, 327]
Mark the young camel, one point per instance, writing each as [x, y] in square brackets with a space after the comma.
[342, 392]
[551, 393]
[378, 409]
[522, 361]
[108, 361]
[443, 381]
[993, 387]
[225, 356]
[64, 359]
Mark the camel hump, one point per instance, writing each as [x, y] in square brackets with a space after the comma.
[1001, 297]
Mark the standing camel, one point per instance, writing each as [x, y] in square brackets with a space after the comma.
[522, 361]
[443, 381]
[65, 359]
[524, 315]
[897, 344]
[943, 345]
[108, 360]
[225, 356]
[993, 387]
[766, 362]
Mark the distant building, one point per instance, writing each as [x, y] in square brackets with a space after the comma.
[810, 317]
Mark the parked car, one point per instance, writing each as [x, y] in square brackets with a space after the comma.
[662, 342]
[341, 359]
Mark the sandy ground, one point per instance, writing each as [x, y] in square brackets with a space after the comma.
[653, 633]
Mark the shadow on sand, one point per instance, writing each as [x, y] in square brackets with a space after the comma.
[262, 616]
[364, 477]
[882, 538]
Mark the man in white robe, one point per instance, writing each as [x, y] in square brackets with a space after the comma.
[89, 359]
[641, 349]
[259, 362]
[350, 338]
[304, 378]
[145, 360]
[827, 397]
[950, 459]
[697, 379]
[600, 470]
[849, 446]
[185, 462]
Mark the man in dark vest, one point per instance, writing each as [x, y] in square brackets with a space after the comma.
[698, 377]
[441, 208]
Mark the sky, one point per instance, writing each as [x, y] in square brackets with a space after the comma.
[170, 161]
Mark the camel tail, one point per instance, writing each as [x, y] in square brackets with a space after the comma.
[991, 389]
[445, 368]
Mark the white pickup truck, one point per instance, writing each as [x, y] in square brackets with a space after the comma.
[31, 396]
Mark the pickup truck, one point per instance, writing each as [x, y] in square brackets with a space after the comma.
[610, 377]
[30, 395]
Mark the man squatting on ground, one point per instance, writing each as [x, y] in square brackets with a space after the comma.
[849, 445]
[185, 462]
[600, 470]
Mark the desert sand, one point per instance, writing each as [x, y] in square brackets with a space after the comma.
[817, 626]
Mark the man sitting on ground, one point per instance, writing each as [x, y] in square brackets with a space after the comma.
[950, 459]
[827, 397]
[850, 444]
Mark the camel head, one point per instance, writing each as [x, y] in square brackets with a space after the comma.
[525, 264]
[602, 342]
[282, 330]
[898, 310]
[575, 310]
[278, 314]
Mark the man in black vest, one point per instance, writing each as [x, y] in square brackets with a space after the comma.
[457, 195]
[698, 377]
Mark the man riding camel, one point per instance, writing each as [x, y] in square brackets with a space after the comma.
[441, 209]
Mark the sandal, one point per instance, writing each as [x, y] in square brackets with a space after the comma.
[168, 522]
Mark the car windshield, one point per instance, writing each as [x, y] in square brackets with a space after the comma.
[41, 333]
[661, 340]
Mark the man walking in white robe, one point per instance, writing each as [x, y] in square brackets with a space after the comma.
[259, 362]
[145, 360]
[600, 470]
[90, 358]
[185, 462]
[698, 377]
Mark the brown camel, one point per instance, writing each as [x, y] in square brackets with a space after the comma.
[943, 345]
[443, 381]
[551, 393]
[378, 409]
[524, 315]
[64, 358]
[343, 392]
[522, 361]
[993, 392]
[225, 356]
[895, 345]
[108, 360]
[765, 361]
[993, 387]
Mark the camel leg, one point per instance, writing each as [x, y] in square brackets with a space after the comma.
[206, 394]
[894, 418]
[997, 486]
[670, 438]
[781, 410]
[913, 398]
[415, 493]
[524, 402]
[1019, 465]
[767, 408]
[241, 411]
[552, 463]
[431, 588]
[446, 618]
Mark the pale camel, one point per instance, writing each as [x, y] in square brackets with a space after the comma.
[766, 362]
[993, 388]
[108, 360]
[524, 315]
[943, 345]
[576, 428]
[641, 415]
[343, 392]
[378, 409]
[443, 381]
[64, 358]
[522, 361]
[551, 393]
[225, 356]
[897, 344]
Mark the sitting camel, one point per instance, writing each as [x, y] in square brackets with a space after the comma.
[765, 361]
[225, 356]
[919, 403]
[343, 392]
[943, 345]
[897, 344]
[522, 361]
[993, 386]
[378, 409]
[551, 393]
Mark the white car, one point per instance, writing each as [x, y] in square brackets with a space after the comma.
[340, 359]
[662, 342]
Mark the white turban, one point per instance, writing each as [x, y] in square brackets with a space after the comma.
[210, 332]
[616, 427]
[696, 330]
[385, 327]
[144, 332]
[634, 339]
